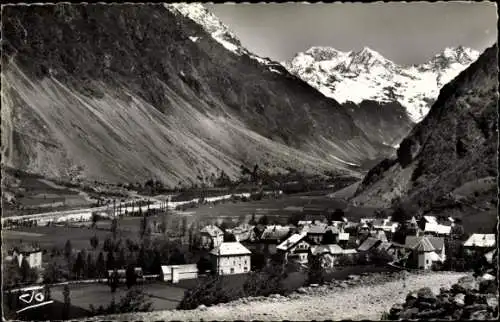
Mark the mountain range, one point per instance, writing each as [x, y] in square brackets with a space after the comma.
[448, 164]
[125, 93]
[357, 76]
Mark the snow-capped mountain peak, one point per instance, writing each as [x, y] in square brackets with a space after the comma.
[367, 75]
[216, 28]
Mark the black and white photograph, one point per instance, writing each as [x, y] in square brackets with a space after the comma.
[204, 161]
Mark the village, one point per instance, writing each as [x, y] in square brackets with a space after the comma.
[167, 249]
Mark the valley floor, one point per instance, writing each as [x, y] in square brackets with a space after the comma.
[357, 303]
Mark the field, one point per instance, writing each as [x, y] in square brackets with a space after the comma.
[34, 194]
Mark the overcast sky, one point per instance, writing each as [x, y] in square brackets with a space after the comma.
[406, 33]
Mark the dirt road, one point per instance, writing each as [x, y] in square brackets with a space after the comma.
[368, 302]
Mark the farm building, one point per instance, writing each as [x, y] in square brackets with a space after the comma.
[175, 273]
[243, 232]
[231, 258]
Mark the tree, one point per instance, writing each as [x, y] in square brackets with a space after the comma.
[100, 265]
[53, 273]
[11, 274]
[67, 302]
[264, 220]
[114, 227]
[108, 245]
[28, 274]
[134, 301]
[110, 261]
[90, 266]
[143, 227]
[95, 219]
[184, 226]
[113, 281]
[253, 221]
[131, 276]
[329, 238]
[203, 265]
[120, 262]
[315, 272]
[68, 249]
[94, 242]
[47, 293]
[78, 265]
[229, 237]
[337, 215]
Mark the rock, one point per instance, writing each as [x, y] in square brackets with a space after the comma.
[302, 290]
[411, 295]
[343, 285]
[480, 315]
[430, 314]
[396, 309]
[426, 295]
[353, 277]
[457, 314]
[459, 300]
[202, 307]
[314, 285]
[487, 286]
[468, 283]
[408, 314]
[275, 296]
[425, 306]
[492, 302]
[475, 307]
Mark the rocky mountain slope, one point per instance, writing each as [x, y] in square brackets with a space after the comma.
[127, 92]
[367, 75]
[448, 163]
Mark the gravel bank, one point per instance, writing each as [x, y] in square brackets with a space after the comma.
[355, 302]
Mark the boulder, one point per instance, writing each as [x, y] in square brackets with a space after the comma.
[411, 295]
[202, 307]
[430, 314]
[302, 290]
[459, 300]
[492, 302]
[476, 307]
[396, 309]
[480, 315]
[488, 286]
[409, 313]
[426, 295]
[468, 283]
[353, 277]
[457, 314]
[426, 306]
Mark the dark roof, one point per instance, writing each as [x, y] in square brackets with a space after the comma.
[424, 243]
[368, 244]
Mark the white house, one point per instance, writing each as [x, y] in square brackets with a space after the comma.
[295, 247]
[32, 255]
[231, 258]
[175, 273]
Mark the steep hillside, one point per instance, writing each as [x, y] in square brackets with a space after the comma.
[367, 75]
[128, 92]
[449, 160]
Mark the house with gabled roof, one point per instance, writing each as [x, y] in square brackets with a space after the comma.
[211, 236]
[480, 241]
[275, 234]
[231, 258]
[295, 247]
[329, 254]
[425, 251]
